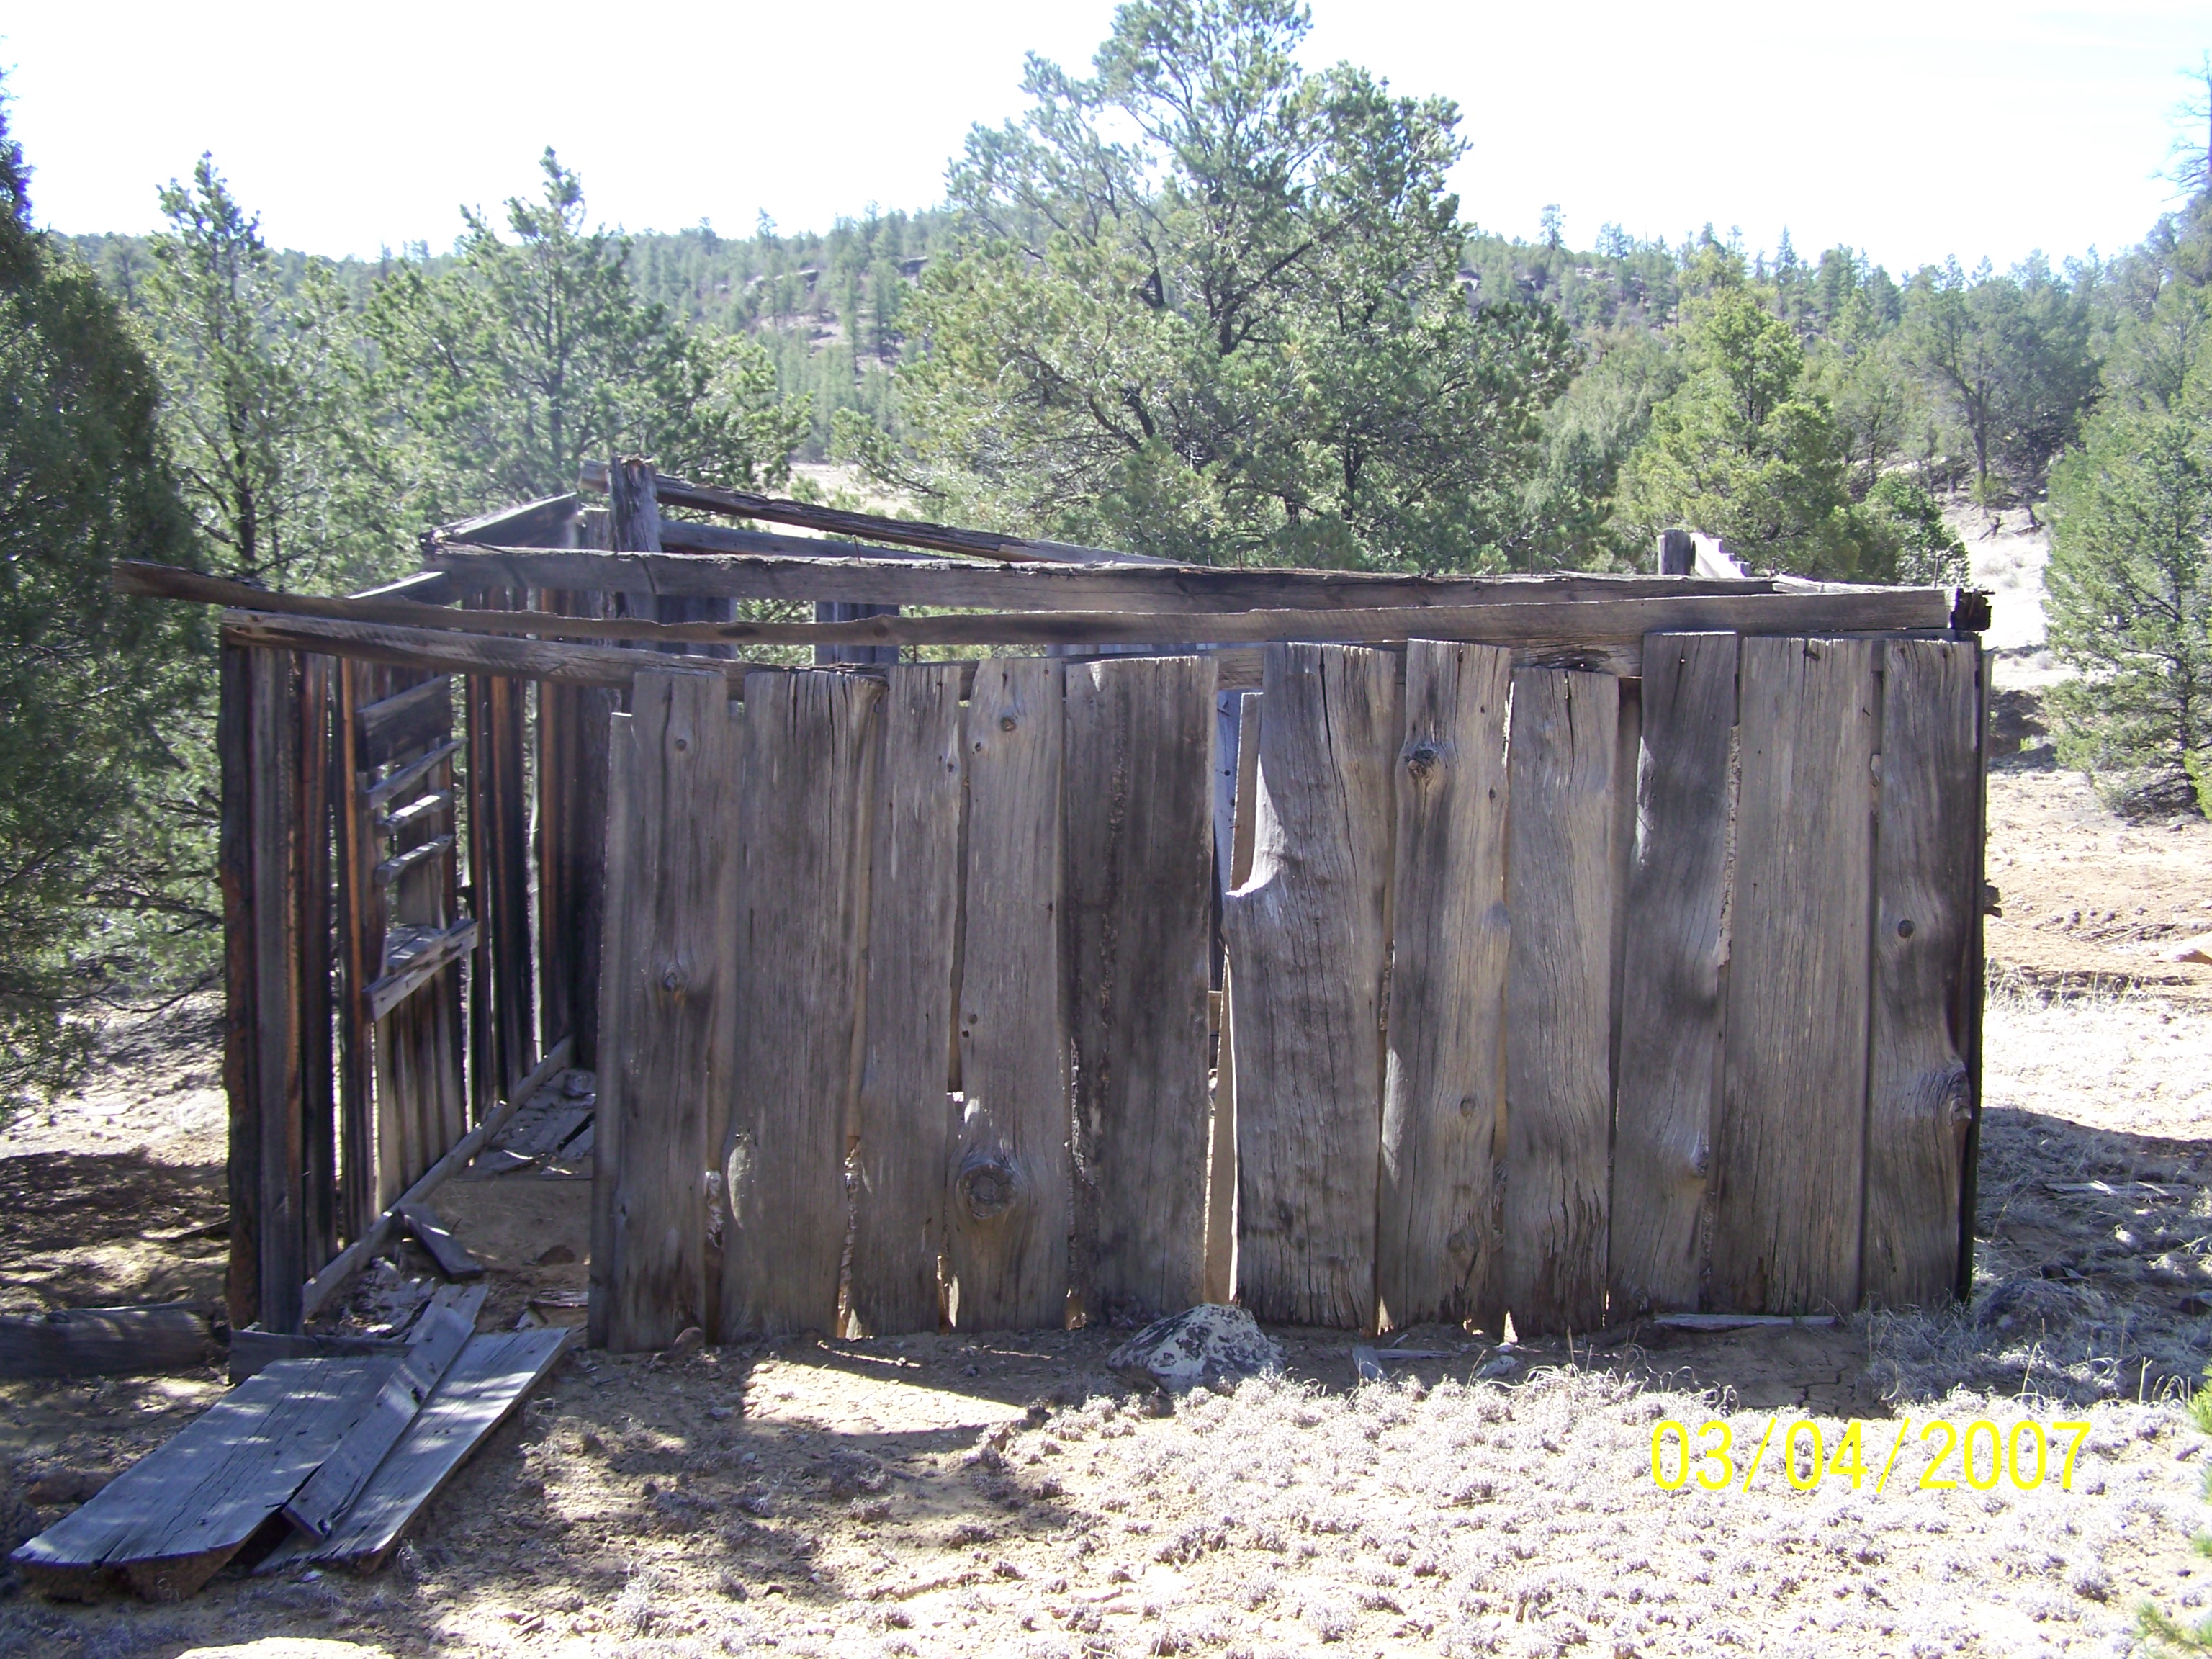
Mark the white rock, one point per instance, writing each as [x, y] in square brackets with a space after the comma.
[1197, 1348]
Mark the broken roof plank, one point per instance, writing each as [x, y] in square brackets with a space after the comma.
[485, 1384]
[172, 1520]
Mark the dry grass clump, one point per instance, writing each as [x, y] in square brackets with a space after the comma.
[1480, 1518]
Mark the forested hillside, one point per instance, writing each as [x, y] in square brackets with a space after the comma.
[1199, 301]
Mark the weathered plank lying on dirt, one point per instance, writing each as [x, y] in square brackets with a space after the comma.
[1561, 889]
[167, 1336]
[172, 1520]
[1444, 1090]
[804, 788]
[1919, 1095]
[1308, 943]
[452, 1255]
[439, 1333]
[1010, 1196]
[1791, 1149]
[477, 1393]
[1668, 1093]
[1221, 1152]
[905, 1122]
[1140, 902]
[668, 1006]
[253, 1351]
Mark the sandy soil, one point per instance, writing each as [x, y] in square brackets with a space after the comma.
[942, 1495]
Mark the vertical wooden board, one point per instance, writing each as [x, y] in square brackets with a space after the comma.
[1010, 1201]
[1967, 1006]
[1443, 1090]
[1919, 1095]
[670, 1002]
[274, 748]
[1667, 1097]
[614, 1039]
[361, 949]
[1562, 884]
[1791, 1147]
[317, 1075]
[1221, 1152]
[1307, 937]
[805, 754]
[899, 1219]
[1139, 886]
[572, 777]
[240, 1027]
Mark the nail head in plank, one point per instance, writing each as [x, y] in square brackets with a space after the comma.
[1561, 888]
[1443, 1092]
[1791, 1147]
[1139, 886]
[1668, 1101]
[1307, 939]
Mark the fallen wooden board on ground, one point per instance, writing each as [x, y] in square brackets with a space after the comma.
[170, 1522]
[1727, 1321]
[169, 1336]
[440, 1333]
[253, 1350]
[452, 1257]
[475, 1397]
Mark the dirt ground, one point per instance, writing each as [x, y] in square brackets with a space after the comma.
[944, 1495]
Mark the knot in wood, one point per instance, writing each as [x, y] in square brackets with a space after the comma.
[1007, 722]
[988, 1183]
[1423, 758]
[672, 978]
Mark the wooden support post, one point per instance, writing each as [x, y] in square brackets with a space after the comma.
[272, 758]
[361, 950]
[1678, 553]
[499, 873]
[320, 1217]
[240, 1028]
[572, 818]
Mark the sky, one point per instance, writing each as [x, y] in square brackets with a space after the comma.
[1913, 130]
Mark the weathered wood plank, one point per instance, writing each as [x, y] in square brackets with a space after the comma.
[1011, 1198]
[174, 1517]
[1443, 1090]
[170, 1336]
[1668, 1094]
[319, 1218]
[1138, 897]
[1308, 946]
[500, 874]
[905, 1121]
[1793, 1111]
[440, 1332]
[273, 754]
[253, 1351]
[773, 567]
[1920, 1096]
[452, 1257]
[1561, 888]
[1221, 1146]
[572, 812]
[806, 790]
[413, 719]
[240, 1027]
[668, 1003]
[477, 1393]
[410, 973]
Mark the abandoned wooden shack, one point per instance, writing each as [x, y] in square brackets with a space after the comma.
[1372, 949]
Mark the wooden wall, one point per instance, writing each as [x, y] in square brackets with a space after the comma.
[1552, 995]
